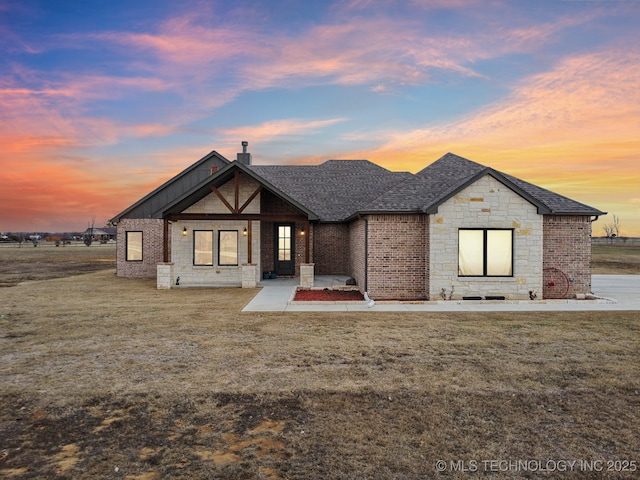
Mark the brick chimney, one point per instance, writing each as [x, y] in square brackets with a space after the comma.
[244, 157]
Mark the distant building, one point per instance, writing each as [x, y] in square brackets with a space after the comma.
[102, 234]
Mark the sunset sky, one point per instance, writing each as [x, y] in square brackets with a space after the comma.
[102, 101]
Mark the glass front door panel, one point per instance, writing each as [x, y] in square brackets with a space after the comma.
[284, 246]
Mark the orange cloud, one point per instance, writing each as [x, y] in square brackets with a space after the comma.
[46, 178]
[56, 191]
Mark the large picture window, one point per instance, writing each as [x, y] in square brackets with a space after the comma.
[485, 252]
[134, 246]
[228, 247]
[203, 247]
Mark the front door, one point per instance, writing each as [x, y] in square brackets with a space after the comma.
[284, 254]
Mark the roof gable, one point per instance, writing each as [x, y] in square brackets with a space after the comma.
[149, 205]
[221, 177]
[451, 173]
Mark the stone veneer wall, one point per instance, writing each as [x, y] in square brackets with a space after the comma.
[182, 246]
[212, 204]
[152, 247]
[397, 257]
[567, 246]
[486, 203]
[331, 248]
[207, 275]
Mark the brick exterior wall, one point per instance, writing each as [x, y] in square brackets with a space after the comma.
[152, 247]
[267, 251]
[331, 248]
[427, 258]
[567, 247]
[357, 252]
[397, 257]
[486, 203]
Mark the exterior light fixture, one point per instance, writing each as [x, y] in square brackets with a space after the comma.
[302, 231]
[184, 232]
[244, 232]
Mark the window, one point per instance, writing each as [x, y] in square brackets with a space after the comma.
[228, 247]
[203, 247]
[134, 246]
[284, 243]
[485, 253]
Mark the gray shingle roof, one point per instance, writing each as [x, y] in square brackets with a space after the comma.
[335, 189]
[429, 186]
[558, 204]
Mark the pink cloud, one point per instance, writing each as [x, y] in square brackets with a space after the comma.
[369, 50]
[268, 131]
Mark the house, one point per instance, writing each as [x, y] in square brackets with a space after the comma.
[104, 234]
[455, 225]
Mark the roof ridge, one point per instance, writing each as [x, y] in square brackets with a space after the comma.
[448, 157]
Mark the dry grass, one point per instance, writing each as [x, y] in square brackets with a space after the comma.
[109, 378]
[612, 259]
[19, 264]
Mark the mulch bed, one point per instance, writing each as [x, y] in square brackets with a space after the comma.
[327, 295]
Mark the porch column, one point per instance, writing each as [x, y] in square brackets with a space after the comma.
[307, 274]
[249, 252]
[165, 241]
[307, 241]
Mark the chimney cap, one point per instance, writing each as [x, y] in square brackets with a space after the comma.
[244, 157]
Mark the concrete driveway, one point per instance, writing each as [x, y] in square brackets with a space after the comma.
[616, 292]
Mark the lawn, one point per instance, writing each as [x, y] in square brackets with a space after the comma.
[110, 378]
[613, 259]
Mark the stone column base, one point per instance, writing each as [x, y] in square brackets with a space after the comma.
[307, 275]
[163, 276]
[249, 273]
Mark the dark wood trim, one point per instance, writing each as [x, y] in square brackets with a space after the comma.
[236, 191]
[249, 225]
[165, 241]
[266, 217]
[253, 195]
[221, 197]
[307, 234]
